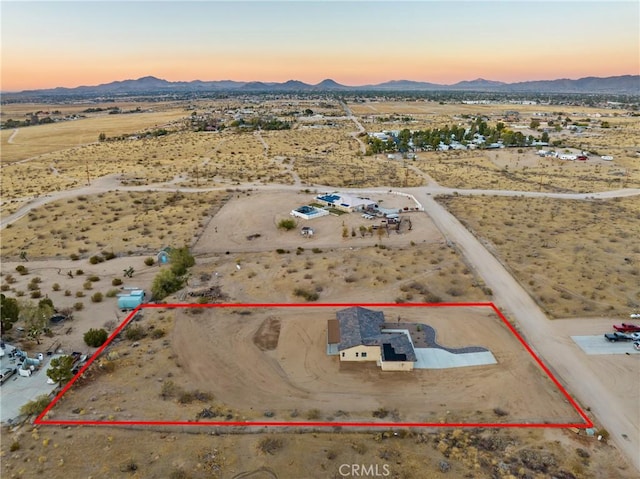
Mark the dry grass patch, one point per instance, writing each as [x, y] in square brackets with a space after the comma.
[525, 171]
[41, 139]
[576, 258]
[117, 222]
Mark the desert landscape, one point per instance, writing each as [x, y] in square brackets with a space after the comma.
[82, 216]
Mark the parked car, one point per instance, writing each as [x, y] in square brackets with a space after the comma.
[6, 374]
[636, 345]
[627, 328]
[618, 337]
[634, 315]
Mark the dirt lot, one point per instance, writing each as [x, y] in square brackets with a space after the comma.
[574, 257]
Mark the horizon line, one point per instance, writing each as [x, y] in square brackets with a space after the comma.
[317, 83]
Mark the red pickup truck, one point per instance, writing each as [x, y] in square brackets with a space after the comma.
[626, 328]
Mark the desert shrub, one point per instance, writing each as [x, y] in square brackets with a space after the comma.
[306, 294]
[135, 333]
[157, 333]
[15, 446]
[169, 390]
[179, 473]
[78, 306]
[316, 250]
[79, 272]
[55, 287]
[186, 397]
[33, 286]
[149, 261]
[96, 259]
[313, 414]
[36, 406]
[287, 224]
[36, 294]
[95, 337]
[22, 269]
[281, 251]
[9, 279]
[116, 282]
[93, 278]
[5, 287]
[74, 257]
[112, 293]
[269, 445]
[107, 255]
[380, 413]
[67, 292]
[96, 297]
[87, 285]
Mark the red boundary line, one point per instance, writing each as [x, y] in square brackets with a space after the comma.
[41, 421]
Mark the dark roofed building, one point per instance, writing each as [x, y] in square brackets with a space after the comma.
[357, 335]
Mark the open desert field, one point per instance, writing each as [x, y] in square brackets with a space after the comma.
[210, 452]
[33, 141]
[130, 222]
[576, 258]
[242, 254]
[524, 170]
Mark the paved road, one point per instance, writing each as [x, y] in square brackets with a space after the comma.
[556, 351]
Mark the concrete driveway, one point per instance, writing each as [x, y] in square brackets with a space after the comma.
[599, 345]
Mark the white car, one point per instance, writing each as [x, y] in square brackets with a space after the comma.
[635, 336]
[634, 315]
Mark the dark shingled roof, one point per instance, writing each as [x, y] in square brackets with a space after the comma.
[358, 325]
[361, 326]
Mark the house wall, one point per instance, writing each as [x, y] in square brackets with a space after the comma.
[396, 365]
[355, 353]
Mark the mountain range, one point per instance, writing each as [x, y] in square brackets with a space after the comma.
[625, 84]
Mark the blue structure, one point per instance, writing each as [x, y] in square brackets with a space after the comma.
[128, 302]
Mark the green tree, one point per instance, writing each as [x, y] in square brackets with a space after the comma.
[545, 137]
[9, 311]
[287, 224]
[95, 337]
[36, 318]
[165, 283]
[102, 137]
[535, 123]
[60, 369]
[181, 259]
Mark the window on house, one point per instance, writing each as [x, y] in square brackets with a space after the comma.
[364, 355]
[343, 354]
[357, 354]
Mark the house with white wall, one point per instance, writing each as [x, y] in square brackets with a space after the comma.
[356, 335]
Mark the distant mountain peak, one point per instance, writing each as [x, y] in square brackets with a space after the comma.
[623, 84]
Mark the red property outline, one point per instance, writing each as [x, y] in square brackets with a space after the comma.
[40, 419]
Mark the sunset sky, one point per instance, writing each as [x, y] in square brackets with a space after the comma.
[49, 44]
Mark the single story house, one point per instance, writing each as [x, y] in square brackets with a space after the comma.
[356, 335]
[345, 202]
